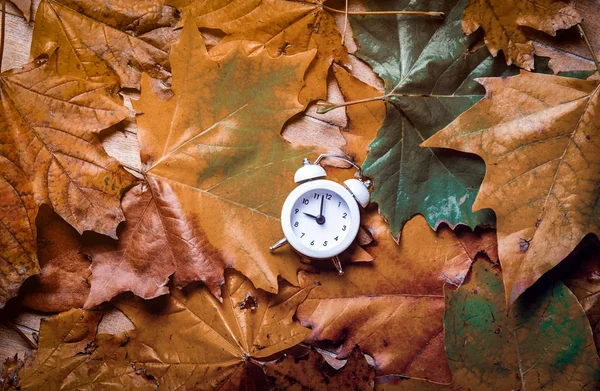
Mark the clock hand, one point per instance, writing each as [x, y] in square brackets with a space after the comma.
[321, 210]
[309, 215]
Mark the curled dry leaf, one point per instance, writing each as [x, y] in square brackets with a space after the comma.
[393, 307]
[539, 137]
[107, 41]
[9, 378]
[50, 154]
[501, 20]
[215, 162]
[63, 280]
[190, 340]
[431, 82]
[312, 373]
[545, 343]
[284, 28]
[71, 356]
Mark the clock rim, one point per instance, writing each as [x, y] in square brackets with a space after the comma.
[286, 223]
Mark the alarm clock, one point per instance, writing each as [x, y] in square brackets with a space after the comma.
[320, 218]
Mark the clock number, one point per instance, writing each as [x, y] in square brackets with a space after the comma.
[344, 228]
[344, 215]
[305, 201]
[316, 196]
[296, 211]
[336, 238]
[302, 235]
[325, 243]
[328, 196]
[339, 204]
[296, 224]
[312, 243]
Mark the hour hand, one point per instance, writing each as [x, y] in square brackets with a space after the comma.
[309, 215]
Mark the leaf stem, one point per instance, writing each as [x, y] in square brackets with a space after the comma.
[325, 107]
[434, 14]
[17, 330]
[589, 45]
[345, 23]
[2, 33]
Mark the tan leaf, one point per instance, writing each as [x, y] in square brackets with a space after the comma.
[107, 41]
[63, 280]
[197, 342]
[285, 28]
[71, 356]
[214, 151]
[501, 21]
[50, 154]
[393, 307]
[539, 137]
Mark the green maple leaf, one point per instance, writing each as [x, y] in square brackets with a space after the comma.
[430, 75]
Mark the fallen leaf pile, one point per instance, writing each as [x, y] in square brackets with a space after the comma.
[476, 266]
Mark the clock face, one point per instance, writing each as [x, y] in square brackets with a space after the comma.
[321, 219]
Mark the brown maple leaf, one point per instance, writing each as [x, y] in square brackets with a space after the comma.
[284, 28]
[217, 173]
[63, 280]
[501, 21]
[539, 137]
[190, 340]
[71, 356]
[50, 154]
[393, 307]
[107, 41]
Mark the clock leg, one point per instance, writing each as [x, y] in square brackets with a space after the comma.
[280, 243]
[337, 264]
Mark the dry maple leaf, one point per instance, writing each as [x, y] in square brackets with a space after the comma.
[50, 154]
[539, 137]
[63, 280]
[190, 340]
[107, 41]
[154, 244]
[312, 373]
[393, 307]
[71, 356]
[501, 21]
[217, 168]
[282, 27]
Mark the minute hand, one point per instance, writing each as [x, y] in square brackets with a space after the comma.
[321, 209]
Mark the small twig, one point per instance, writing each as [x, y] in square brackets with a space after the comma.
[589, 45]
[434, 14]
[345, 24]
[3, 31]
[131, 168]
[16, 329]
[325, 107]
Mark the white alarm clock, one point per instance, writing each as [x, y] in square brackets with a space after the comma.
[320, 218]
